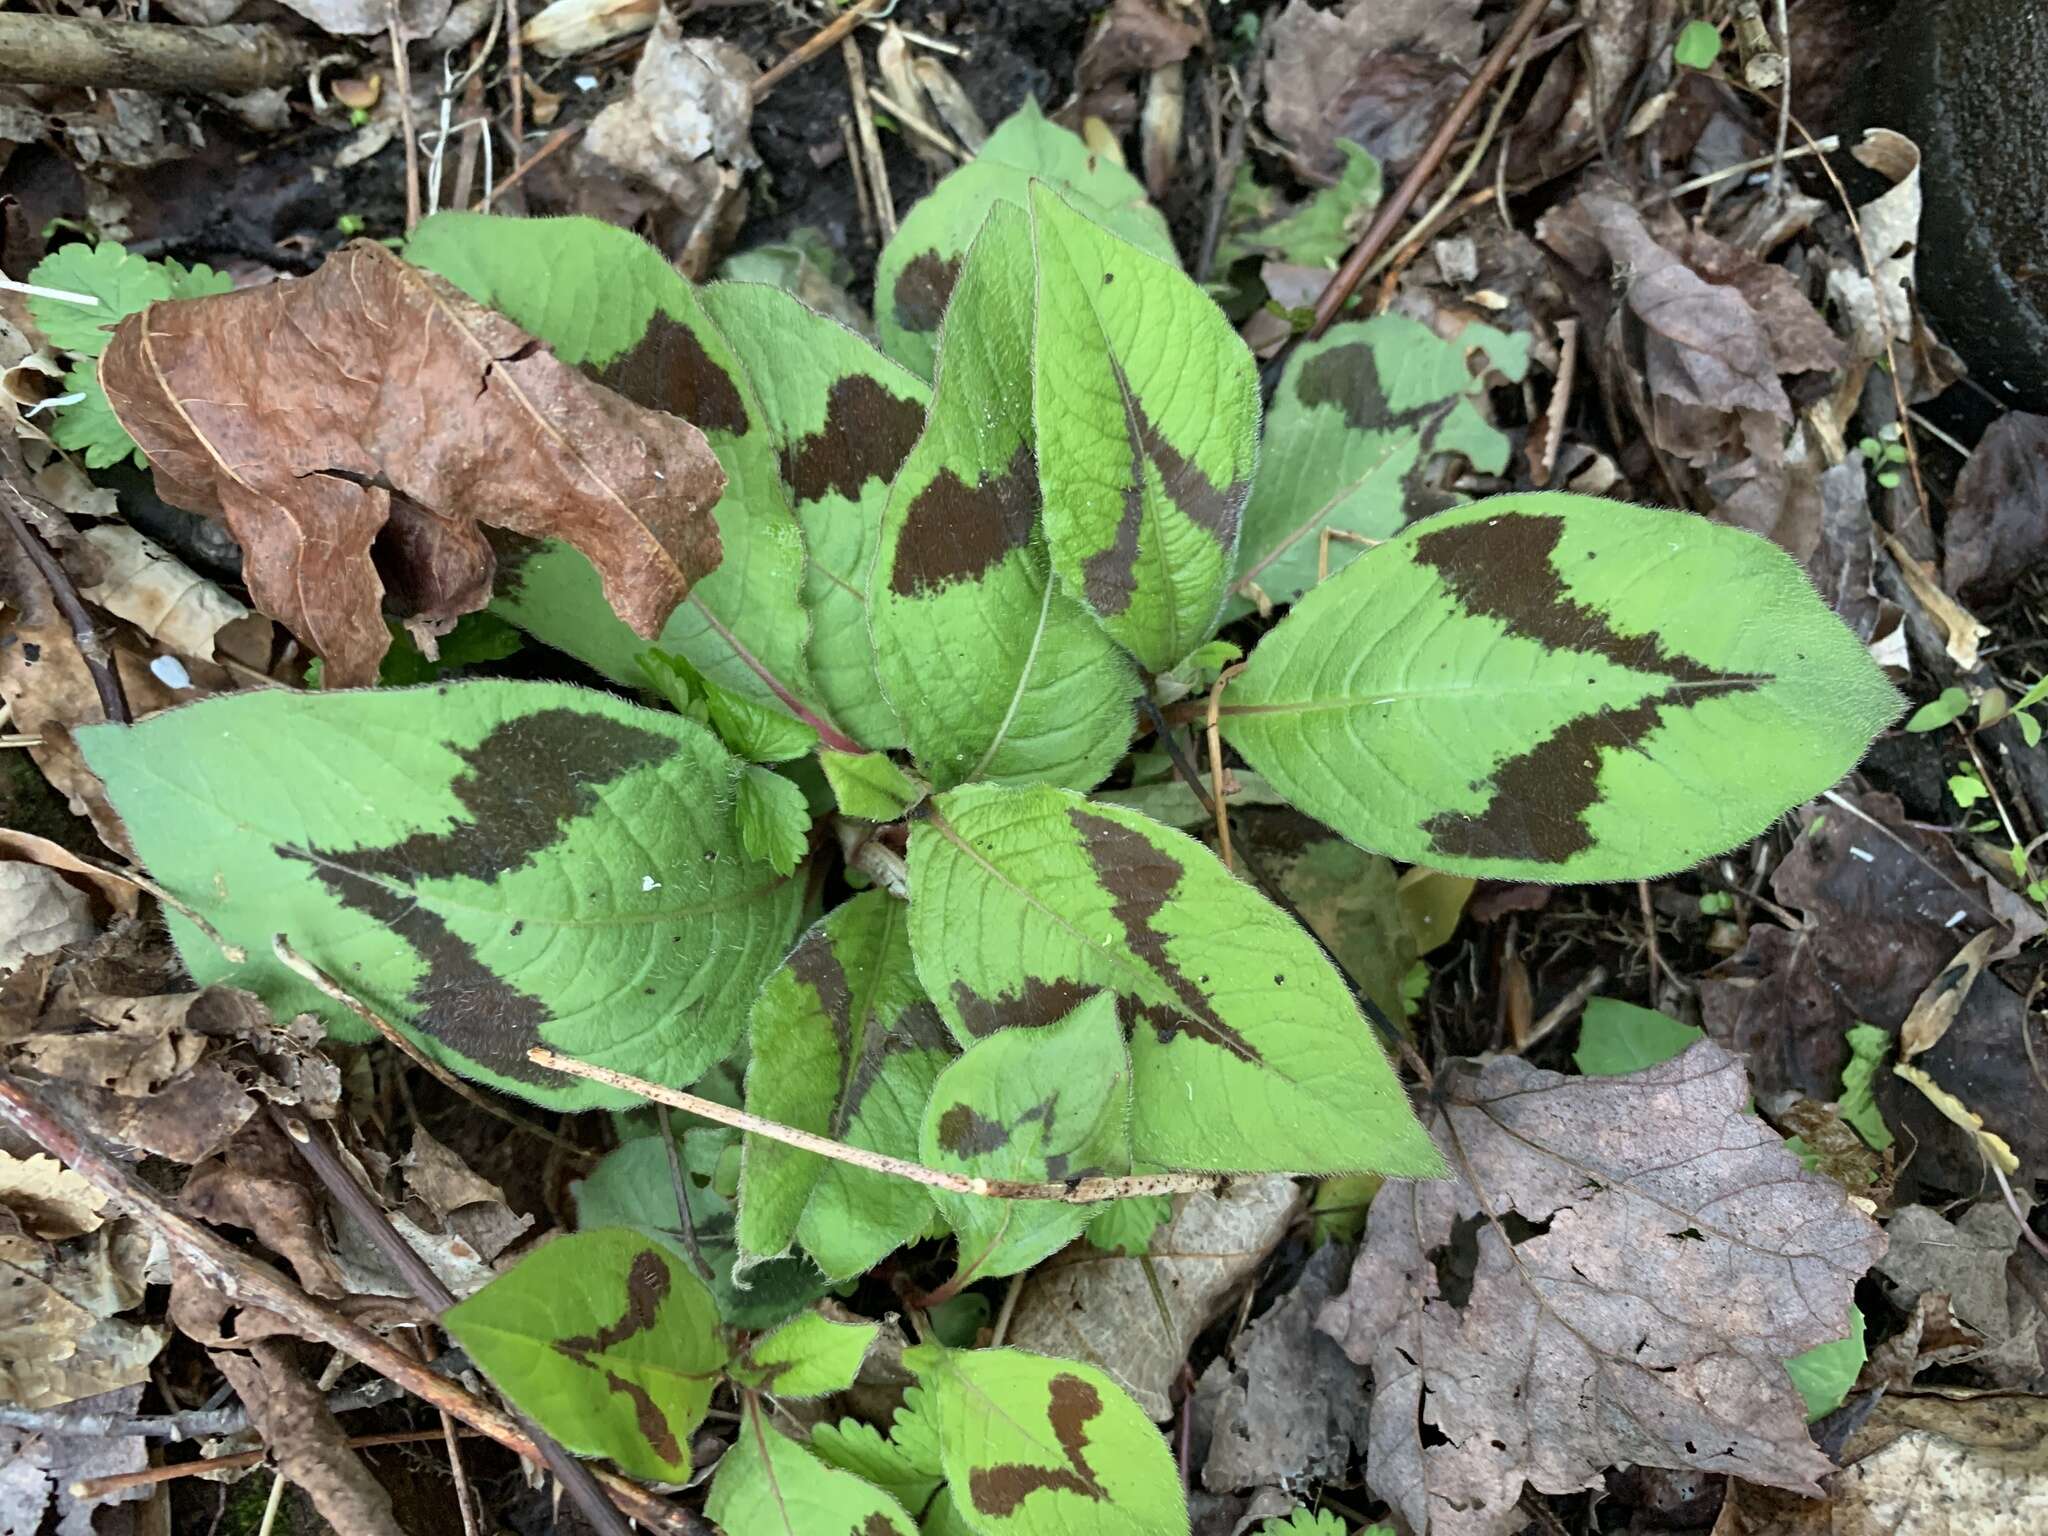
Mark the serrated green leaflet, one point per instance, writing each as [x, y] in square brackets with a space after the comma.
[1041, 1447]
[774, 819]
[1247, 1051]
[1148, 422]
[1045, 1103]
[632, 1186]
[1353, 425]
[1555, 687]
[996, 673]
[491, 865]
[919, 267]
[842, 417]
[123, 284]
[761, 733]
[1306, 1522]
[905, 1464]
[808, 421]
[844, 1045]
[768, 1485]
[607, 1340]
[807, 1356]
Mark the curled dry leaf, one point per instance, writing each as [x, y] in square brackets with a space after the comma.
[40, 912]
[136, 579]
[309, 1443]
[48, 1199]
[568, 27]
[1645, 1254]
[1998, 518]
[373, 405]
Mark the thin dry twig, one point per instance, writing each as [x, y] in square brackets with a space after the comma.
[1784, 104]
[1090, 1191]
[856, 167]
[870, 140]
[249, 1282]
[1543, 452]
[671, 1140]
[1395, 208]
[326, 984]
[515, 74]
[401, 74]
[839, 26]
[92, 1488]
[549, 145]
[1214, 733]
[91, 645]
[1566, 1008]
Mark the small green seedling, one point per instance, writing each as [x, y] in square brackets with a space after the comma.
[1884, 453]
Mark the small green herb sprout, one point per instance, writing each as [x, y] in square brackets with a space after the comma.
[1698, 45]
[1884, 453]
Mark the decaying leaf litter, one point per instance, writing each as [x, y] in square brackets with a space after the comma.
[1735, 1224]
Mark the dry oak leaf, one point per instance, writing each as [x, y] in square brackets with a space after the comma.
[1648, 1253]
[372, 405]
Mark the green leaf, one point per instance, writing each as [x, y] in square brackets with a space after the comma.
[768, 1485]
[491, 865]
[2030, 729]
[632, 1186]
[996, 672]
[919, 267]
[1044, 1447]
[1356, 419]
[1556, 687]
[606, 1341]
[943, 1518]
[774, 819]
[1826, 1374]
[1967, 788]
[844, 1045]
[1147, 406]
[1317, 233]
[1616, 1038]
[1698, 45]
[2032, 696]
[1868, 1046]
[869, 785]
[905, 1465]
[808, 1356]
[1048, 1103]
[1953, 704]
[1306, 1522]
[124, 285]
[1128, 1226]
[1247, 1050]
[807, 420]
[760, 733]
[842, 416]
[1337, 1212]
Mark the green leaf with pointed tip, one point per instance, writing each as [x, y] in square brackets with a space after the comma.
[632, 1186]
[844, 1045]
[808, 1356]
[1247, 1050]
[919, 267]
[1950, 707]
[996, 672]
[1355, 421]
[1320, 231]
[1046, 1103]
[605, 1340]
[842, 417]
[768, 1485]
[491, 865]
[808, 421]
[1043, 1447]
[774, 819]
[761, 733]
[869, 785]
[1556, 687]
[1616, 1038]
[1147, 406]
[905, 1464]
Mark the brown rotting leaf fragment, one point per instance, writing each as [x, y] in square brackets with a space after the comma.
[371, 399]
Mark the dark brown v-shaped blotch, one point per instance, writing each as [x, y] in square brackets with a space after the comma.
[923, 289]
[868, 433]
[998, 1490]
[647, 1287]
[667, 369]
[1109, 577]
[524, 783]
[958, 532]
[1505, 568]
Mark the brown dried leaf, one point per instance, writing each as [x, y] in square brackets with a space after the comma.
[39, 1468]
[307, 1441]
[135, 579]
[1093, 1306]
[47, 1198]
[371, 404]
[467, 1205]
[1966, 1260]
[1648, 1253]
[61, 1337]
[260, 1183]
[40, 912]
[1998, 517]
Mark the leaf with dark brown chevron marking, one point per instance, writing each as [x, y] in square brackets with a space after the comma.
[768, 1485]
[1038, 1447]
[1247, 1049]
[916, 277]
[1039, 1104]
[1356, 425]
[492, 865]
[844, 1044]
[996, 672]
[607, 1341]
[1554, 687]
